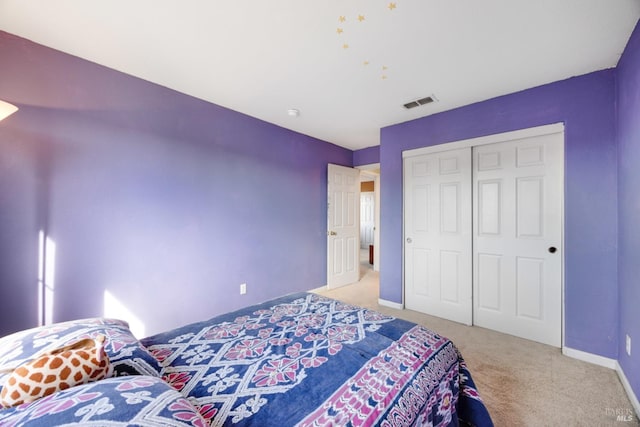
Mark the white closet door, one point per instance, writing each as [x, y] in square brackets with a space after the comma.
[518, 236]
[438, 236]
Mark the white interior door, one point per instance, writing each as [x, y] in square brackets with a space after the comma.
[367, 219]
[343, 226]
[518, 237]
[437, 246]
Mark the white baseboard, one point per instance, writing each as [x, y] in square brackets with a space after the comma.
[590, 357]
[607, 363]
[390, 304]
[320, 289]
[627, 387]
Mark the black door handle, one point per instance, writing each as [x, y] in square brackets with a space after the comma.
[552, 249]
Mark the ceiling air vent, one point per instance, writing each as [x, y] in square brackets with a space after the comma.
[422, 101]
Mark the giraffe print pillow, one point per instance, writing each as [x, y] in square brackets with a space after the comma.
[78, 363]
[126, 354]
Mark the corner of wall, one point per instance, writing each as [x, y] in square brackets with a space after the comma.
[627, 387]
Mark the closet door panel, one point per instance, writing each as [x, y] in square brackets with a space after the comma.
[518, 218]
[437, 248]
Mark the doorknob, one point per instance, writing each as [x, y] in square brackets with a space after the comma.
[552, 249]
[409, 240]
[331, 233]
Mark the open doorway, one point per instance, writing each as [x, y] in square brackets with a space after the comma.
[344, 225]
[369, 218]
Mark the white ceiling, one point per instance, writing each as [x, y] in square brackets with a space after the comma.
[265, 57]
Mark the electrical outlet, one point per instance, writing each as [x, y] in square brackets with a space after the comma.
[243, 288]
[628, 345]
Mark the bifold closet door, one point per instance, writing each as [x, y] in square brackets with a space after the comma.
[517, 198]
[437, 245]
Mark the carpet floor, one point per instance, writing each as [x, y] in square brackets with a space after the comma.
[523, 383]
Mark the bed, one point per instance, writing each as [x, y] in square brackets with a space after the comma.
[301, 360]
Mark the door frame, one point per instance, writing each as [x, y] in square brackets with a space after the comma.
[492, 139]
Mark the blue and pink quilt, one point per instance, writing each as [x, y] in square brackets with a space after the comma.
[312, 361]
[301, 360]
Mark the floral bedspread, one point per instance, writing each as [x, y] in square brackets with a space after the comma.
[311, 361]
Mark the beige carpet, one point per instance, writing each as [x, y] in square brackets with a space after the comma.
[522, 383]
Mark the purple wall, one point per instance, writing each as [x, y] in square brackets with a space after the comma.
[586, 106]
[628, 94]
[366, 156]
[166, 201]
